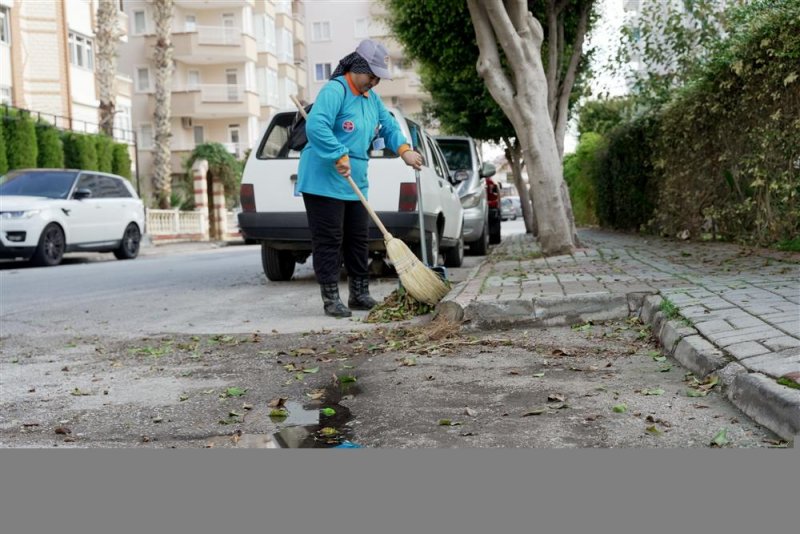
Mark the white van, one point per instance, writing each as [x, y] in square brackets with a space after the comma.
[273, 212]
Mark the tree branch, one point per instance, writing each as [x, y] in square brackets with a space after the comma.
[506, 35]
[489, 67]
[552, 57]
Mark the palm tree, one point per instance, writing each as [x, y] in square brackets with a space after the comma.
[107, 35]
[162, 57]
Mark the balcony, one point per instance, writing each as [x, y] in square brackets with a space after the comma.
[211, 101]
[210, 45]
[403, 85]
[211, 4]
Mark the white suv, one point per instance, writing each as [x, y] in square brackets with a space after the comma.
[47, 212]
[273, 212]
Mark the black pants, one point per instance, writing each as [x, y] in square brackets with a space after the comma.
[339, 230]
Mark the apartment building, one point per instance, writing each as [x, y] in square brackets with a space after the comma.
[236, 62]
[47, 63]
[334, 29]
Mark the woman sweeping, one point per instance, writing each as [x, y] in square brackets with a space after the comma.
[347, 117]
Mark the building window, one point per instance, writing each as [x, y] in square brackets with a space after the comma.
[145, 136]
[190, 23]
[142, 79]
[81, 53]
[322, 71]
[199, 135]
[285, 46]
[272, 87]
[193, 79]
[5, 95]
[139, 23]
[321, 31]
[361, 30]
[283, 6]
[5, 32]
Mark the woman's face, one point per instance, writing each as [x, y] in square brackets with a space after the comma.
[364, 82]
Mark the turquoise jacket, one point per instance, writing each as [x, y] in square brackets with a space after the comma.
[343, 122]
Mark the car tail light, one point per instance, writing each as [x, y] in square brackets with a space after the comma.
[408, 197]
[248, 197]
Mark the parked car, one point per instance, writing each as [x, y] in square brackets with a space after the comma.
[47, 212]
[481, 221]
[510, 208]
[274, 213]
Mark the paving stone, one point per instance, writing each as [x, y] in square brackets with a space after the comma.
[746, 349]
[672, 332]
[713, 327]
[698, 355]
[782, 342]
[774, 364]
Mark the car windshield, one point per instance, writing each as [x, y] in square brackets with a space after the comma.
[457, 154]
[49, 184]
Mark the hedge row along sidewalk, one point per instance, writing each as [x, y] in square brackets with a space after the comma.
[718, 309]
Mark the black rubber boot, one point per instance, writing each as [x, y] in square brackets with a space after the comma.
[359, 294]
[333, 304]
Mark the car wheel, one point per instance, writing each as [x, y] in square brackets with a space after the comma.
[278, 264]
[432, 248]
[454, 256]
[129, 247]
[481, 246]
[51, 246]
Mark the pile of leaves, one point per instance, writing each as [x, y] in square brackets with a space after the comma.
[398, 306]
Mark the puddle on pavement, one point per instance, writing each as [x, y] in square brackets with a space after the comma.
[309, 427]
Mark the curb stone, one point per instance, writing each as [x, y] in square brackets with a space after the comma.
[767, 402]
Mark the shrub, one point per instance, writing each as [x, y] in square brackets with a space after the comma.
[51, 149]
[581, 174]
[104, 146]
[121, 160]
[222, 165]
[79, 152]
[21, 150]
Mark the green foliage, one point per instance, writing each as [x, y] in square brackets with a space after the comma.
[20, 134]
[121, 160]
[51, 150]
[80, 151]
[602, 116]
[581, 170]
[3, 159]
[625, 176]
[104, 146]
[222, 165]
[729, 146]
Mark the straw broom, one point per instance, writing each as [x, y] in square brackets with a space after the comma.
[421, 282]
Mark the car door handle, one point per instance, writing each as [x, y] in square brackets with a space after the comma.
[293, 177]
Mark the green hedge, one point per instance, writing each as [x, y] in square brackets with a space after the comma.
[3, 159]
[721, 159]
[104, 146]
[51, 150]
[20, 133]
[80, 152]
[121, 160]
[581, 172]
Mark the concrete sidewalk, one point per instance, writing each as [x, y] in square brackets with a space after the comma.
[716, 308]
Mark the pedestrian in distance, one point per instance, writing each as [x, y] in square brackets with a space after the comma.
[346, 121]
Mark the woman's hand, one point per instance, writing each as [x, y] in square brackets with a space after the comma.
[343, 167]
[412, 158]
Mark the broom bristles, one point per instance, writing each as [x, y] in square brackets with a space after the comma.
[421, 283]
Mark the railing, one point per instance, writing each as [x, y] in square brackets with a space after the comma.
[176, 224]
[221, 92]
[219, 35]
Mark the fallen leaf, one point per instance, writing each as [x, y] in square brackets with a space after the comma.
[346, 379]
[312, 371]
[720, 439]
[328, 412]
[235, 392]
[653, 430]
[62, 430]
[328, 431]
[513, 372]
[470, 412]
[158, 419]
[409, 362]
[448, 422]
[277, 402]
[538, 375]
[696, 393]
[316, 394]
[278, 413]
[665, 368]
[183, 397]
[656, 391]
[534, 411]
[246, 406]
[620, 408]
[556, 397]
[303, 352]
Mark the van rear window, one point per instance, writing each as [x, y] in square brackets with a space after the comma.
[273, 143]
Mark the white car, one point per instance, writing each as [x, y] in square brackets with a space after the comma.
[47, 212]
[273, 212]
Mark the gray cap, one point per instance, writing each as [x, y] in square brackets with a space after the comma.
[376, 56]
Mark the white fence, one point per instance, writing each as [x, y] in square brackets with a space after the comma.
[177, 225]
[219, 35]
[222, 92]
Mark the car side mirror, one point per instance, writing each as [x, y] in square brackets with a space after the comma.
[80, 194]
[460, 176]
[487, 170]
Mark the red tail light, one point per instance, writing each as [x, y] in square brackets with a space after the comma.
[247, 197]
[408, 197]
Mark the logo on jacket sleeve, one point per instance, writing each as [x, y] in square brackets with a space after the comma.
[348, 126]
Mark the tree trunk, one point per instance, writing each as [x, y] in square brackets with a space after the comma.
[106, 37]
[524, 101]
[162, 57]
[514, 158]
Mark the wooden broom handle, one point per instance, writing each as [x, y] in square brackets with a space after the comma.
[358, 192]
